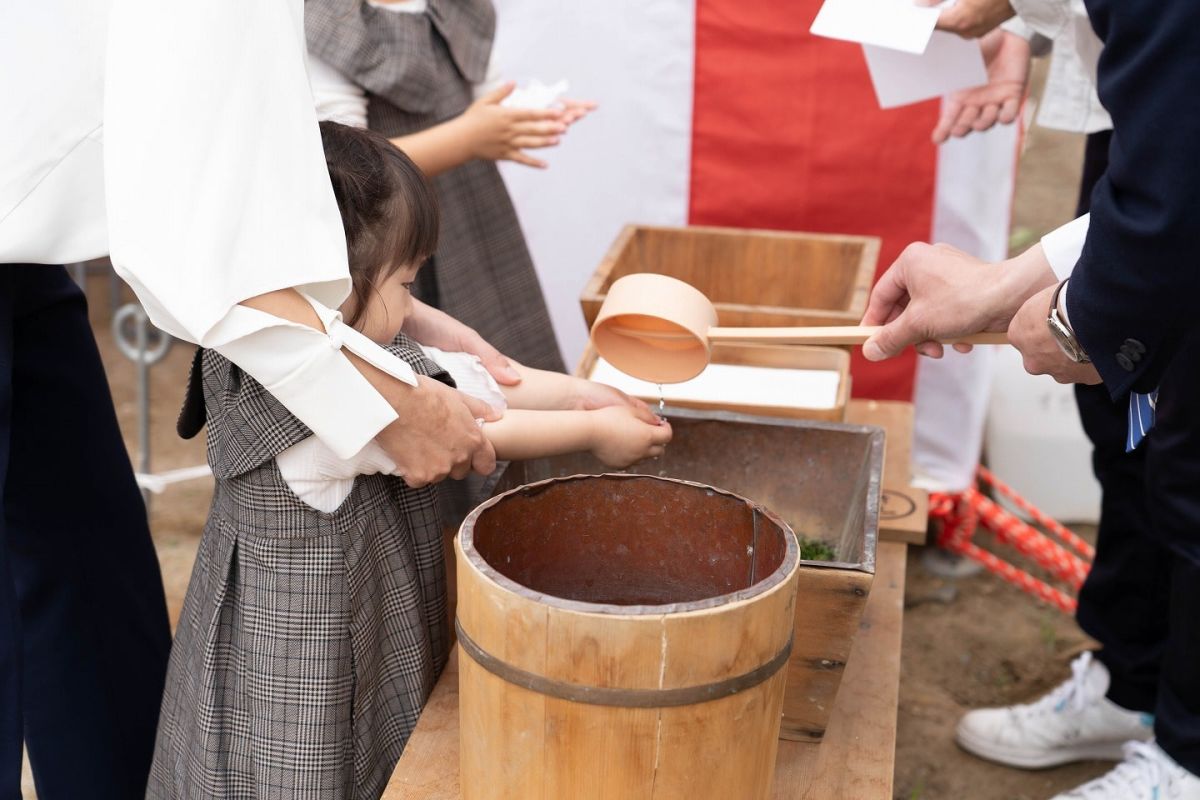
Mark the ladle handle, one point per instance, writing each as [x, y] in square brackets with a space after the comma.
[848, 334]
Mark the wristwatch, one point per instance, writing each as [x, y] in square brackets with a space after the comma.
[1062, 331]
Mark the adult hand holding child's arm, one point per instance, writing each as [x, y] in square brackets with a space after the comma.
[434, 433]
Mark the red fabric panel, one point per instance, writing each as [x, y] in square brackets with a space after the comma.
[787, 135]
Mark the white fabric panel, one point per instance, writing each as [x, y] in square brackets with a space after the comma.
[629, 161]
[973, 202]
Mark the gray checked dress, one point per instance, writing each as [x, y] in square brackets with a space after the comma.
[308, 641]
[418, 70]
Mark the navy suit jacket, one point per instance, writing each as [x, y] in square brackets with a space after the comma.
[1139, 275]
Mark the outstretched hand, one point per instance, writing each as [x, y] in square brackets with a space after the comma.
[998, 100]
[498, 133]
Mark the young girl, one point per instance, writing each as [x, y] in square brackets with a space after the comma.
[315, 622]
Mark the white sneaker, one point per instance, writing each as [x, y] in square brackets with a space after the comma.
[1147, 773]
[1074, 722]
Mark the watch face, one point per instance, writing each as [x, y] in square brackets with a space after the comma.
[1064, 338]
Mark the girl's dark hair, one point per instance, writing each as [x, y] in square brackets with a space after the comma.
[389, 209]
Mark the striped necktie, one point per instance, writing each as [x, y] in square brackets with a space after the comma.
[1141, 417]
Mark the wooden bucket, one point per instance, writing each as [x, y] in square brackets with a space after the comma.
[622, 636]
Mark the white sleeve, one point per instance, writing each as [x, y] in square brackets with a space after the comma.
[335, 96]
[1018, 27]
[470, 376]
[1047, 17]
[306, 370]
[217, 191]
[1064, 245]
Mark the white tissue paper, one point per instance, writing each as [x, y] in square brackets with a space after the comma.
[536, 95]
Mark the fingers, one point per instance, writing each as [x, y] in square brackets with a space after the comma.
[931, 349]
[987, 117]
[889, 340]
[416, 483]
[535, 114]
[644, 414]
[966, 120]
[963, 347]
[638, 403]
[889, 294]
[534, 142]
[499, 93]
[500, 368]
[662, 433]
[941, 131]
[526, 159]
[484, 460]
[479, 409]
[1009, 110]
[543, 129]
[656, 451]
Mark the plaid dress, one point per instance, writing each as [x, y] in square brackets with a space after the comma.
[308, 641]
[418, 71]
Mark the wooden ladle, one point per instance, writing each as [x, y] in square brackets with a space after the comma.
[660, 329]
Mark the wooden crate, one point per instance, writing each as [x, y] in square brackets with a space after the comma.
[760, 355]
[753, 277]
[824, 480]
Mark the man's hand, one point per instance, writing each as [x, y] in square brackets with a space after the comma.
[1040, 351]
[438, 329]
[998, 100]
[437, 435]
[935, 292]
[971, 19]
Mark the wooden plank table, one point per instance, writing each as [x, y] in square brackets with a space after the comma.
[856, 759]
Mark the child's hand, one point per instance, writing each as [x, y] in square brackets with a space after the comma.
[587, 395]
[623, 435]
[497, 133]
[575, 110]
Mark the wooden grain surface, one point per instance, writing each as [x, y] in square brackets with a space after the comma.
[796, 278]
[856, 759]
[903, 510]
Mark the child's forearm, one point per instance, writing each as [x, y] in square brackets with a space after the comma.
[438, 149]
[540, 389]
[522, 433]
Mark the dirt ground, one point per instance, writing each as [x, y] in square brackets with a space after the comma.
[968, 642]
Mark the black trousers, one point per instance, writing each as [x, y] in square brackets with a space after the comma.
[84, 635]
[1141, 600]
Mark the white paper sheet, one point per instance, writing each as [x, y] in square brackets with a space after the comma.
[894, 24]
[728, 384]
[948, 64]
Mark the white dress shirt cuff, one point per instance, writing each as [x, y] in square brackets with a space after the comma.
[306, 370]
[1018, 27]
[1048, 19]
[1064, 245]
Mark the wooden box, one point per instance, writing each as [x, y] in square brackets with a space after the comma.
[760, 355]
[823, 479]
[754, 278]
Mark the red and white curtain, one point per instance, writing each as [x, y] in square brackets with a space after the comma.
[728, 112]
